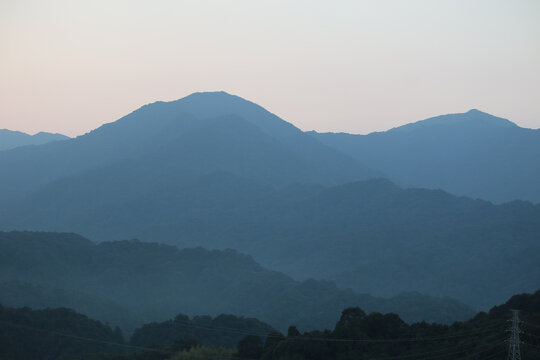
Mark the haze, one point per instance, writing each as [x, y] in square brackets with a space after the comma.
[69, 66]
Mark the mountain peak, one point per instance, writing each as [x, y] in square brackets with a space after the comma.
[212, 104]
[476, 111]
[472, 119]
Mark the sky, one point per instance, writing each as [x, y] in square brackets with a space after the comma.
[352, 66]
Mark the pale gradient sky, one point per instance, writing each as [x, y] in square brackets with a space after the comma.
[356, 66]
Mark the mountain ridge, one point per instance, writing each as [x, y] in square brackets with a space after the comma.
[11, 139]
[471, 154]
[189, 281]
[145, 130]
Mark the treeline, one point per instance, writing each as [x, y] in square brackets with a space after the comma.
[55, 334]
[223, 330]
[130, 283]
[377, 336]
[64, 334]
[358, 335]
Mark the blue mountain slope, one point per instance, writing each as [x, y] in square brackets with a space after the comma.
[12, 139]
[152, 128]
[473, 154]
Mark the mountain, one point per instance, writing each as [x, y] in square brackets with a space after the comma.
[217, 171]
[157, 282]
[371, 236]
[18, 294]
[12, 139]
[51, 334]
[472, 154]
[169, 143]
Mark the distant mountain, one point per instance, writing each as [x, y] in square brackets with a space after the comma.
[157, 282]
[218, 171]
[473, 154]
[12, 139]
[169, 143]
[371, 236]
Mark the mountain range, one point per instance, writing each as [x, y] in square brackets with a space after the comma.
[128, 283]
[472, 154]
[12, 139]
[218, 171]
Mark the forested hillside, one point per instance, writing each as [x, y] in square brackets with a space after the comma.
[156, 282]
[376, 336]
[52, 334]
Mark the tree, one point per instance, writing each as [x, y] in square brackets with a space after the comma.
[250, 347]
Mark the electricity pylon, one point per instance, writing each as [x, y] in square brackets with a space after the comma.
[513, 342]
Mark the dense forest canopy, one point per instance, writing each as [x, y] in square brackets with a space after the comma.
[128, 283]
[64, 334]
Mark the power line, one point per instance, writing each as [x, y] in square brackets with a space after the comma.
[495, 355]
[434, 354]
[531, 345]
[464, 347]
[82, 337]
[419, 339]
[529, 324]
[308, 338]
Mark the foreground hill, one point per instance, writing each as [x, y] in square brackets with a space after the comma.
[376, 336]
[19, 294]
[473, 154]
[64, 334]
[157, 282]
[223, 330]
[54, 334]
[358, 335]
[12, 139]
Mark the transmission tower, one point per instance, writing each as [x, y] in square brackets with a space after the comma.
[513, 342]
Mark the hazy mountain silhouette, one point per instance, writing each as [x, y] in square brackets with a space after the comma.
[19, 294]
[218, 171]
[11, 139]
[201, 133]
[156, 282]
[473, 154]
[372, 236]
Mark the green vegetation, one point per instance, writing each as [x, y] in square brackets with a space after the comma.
[376, 336]
[64, 334]
[203, 353]
[54, 334]
[223, 330]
